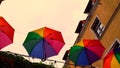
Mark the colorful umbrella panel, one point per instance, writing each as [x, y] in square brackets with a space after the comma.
[86, 52]
[6, 33]
[44, 42]
[112, 59]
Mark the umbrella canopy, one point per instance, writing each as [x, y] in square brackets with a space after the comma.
[43, 43]
[86, 52]
[6, 33]
[112, 59]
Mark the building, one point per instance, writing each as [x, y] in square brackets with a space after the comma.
[102, 23]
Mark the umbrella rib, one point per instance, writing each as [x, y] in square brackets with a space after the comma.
[44, 50]
[87, 55]
[51, 47]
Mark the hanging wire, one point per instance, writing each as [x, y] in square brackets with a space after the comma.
[55, 61]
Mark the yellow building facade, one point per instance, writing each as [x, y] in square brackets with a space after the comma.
[102, 23]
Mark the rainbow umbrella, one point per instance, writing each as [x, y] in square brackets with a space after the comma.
[43, 43]
[86, 52]
[6, 33]
[112, 59]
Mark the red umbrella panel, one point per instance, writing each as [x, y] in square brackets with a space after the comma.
[6, 33]
[43, 43]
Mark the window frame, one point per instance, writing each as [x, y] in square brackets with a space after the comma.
[112, 46]
[99, 29]
[89, 6]
[80, 26]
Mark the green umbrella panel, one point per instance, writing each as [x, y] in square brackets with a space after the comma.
[35, 38]
[75, 52]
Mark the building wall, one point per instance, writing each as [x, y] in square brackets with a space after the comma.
[104, 12]
[113, 31]
[108, 13]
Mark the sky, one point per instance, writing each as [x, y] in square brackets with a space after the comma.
[28, 15]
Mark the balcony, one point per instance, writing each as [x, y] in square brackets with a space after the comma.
[80, 26]
[89, 6]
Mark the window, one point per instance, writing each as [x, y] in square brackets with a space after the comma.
[89, 6]
[97, 27]
[80, 26]
[115, 45]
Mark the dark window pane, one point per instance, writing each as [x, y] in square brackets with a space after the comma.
[95, 24]
[116, 44]
[89, 7]
[97, 27]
